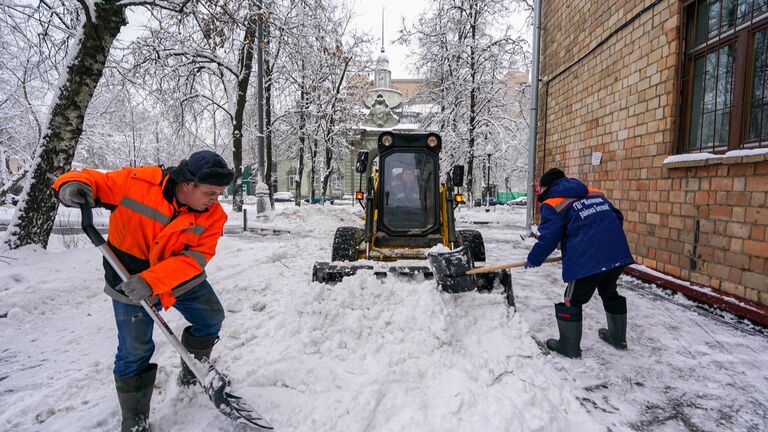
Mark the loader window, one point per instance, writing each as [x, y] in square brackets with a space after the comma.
[409, 191]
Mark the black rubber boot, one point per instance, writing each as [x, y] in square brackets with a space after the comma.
[569, 326]
[199, 347]
[134, 395]
[616, 333]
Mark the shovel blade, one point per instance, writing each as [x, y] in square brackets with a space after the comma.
[505, 280]
[494, 280]
[234, 407]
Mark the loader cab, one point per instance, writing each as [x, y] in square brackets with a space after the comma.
[408, 211]
[409, 184]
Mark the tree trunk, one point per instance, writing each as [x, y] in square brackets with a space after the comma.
[332, 128]
[312, 168]
[3, 166]
[302, 138]
[268, 116]
[327, 174]
[35, 214]
[300, 172]
[472, 104]
[246, 64]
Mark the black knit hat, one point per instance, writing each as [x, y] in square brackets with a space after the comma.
[551, 176]
[204, 167]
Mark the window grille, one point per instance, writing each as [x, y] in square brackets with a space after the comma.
[725, 76]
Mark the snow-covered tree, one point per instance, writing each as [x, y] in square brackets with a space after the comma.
[30, 56]
[465, 49]
[203, 59]
[324, 53]
[90, 29]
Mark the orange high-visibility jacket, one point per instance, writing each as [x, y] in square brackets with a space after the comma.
[167, 244]
[560, 203]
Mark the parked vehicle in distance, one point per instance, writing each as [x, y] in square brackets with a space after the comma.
[491, 202]
[283, 196]
[316, 199]
[519, 201]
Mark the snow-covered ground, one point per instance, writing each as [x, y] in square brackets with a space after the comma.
[375, 355]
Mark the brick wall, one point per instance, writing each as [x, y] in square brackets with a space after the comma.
[622, 100]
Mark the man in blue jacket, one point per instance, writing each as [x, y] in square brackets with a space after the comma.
[595, 251]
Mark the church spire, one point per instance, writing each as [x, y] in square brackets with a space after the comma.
[382, 74]
[382, 30]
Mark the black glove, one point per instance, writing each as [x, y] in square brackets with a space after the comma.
[136, 288]
[74, 193]
[529, 265]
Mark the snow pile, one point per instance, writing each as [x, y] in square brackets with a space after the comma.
[373, 355]
[365, 354]
[376, 355]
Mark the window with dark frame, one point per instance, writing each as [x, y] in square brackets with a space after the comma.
[725, 80]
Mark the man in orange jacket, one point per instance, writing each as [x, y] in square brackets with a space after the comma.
[164, 227]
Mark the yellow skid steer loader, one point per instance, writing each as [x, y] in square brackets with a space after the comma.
[408, 211]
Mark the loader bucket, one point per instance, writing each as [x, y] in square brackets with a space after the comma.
[326, 272]
[450, 270]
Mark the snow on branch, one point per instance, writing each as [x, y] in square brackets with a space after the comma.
[12, 183]
[166, 5]
[201, 56]
[208, 98]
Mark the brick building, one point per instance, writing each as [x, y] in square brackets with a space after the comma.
[663, 105]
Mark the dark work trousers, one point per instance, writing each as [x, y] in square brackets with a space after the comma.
[200, 306]
[578, 292]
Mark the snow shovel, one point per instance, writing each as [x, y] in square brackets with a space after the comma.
[453, 272]
[496, 267]
[213, 382]
[449, 270]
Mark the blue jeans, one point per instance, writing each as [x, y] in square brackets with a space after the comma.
[199, 306]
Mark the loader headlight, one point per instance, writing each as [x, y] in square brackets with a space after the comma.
[359, 195]
[433, 141]
[458, 198]
[386, 140]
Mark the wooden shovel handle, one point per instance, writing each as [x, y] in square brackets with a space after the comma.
[497, 267]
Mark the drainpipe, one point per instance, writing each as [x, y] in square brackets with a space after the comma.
[533, 118]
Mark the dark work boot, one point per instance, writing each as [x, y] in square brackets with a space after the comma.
[569, 326]
[199, 347]
[616, 333]
[134, 395]
[616, 313]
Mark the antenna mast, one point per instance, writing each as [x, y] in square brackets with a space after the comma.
[382, 30]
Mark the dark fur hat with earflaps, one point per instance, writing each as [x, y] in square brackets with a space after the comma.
[203, 167]
[548, 179]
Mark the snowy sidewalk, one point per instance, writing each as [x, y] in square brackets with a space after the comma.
[686, 369]
[375, 355]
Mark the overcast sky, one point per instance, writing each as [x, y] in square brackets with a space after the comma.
[368, 18]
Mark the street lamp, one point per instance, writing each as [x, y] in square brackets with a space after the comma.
[488, 152]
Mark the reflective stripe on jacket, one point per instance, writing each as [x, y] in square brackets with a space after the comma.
[587, 227]
[167, 244]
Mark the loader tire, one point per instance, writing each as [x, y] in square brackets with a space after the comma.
[345, 243]
[473, 241]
